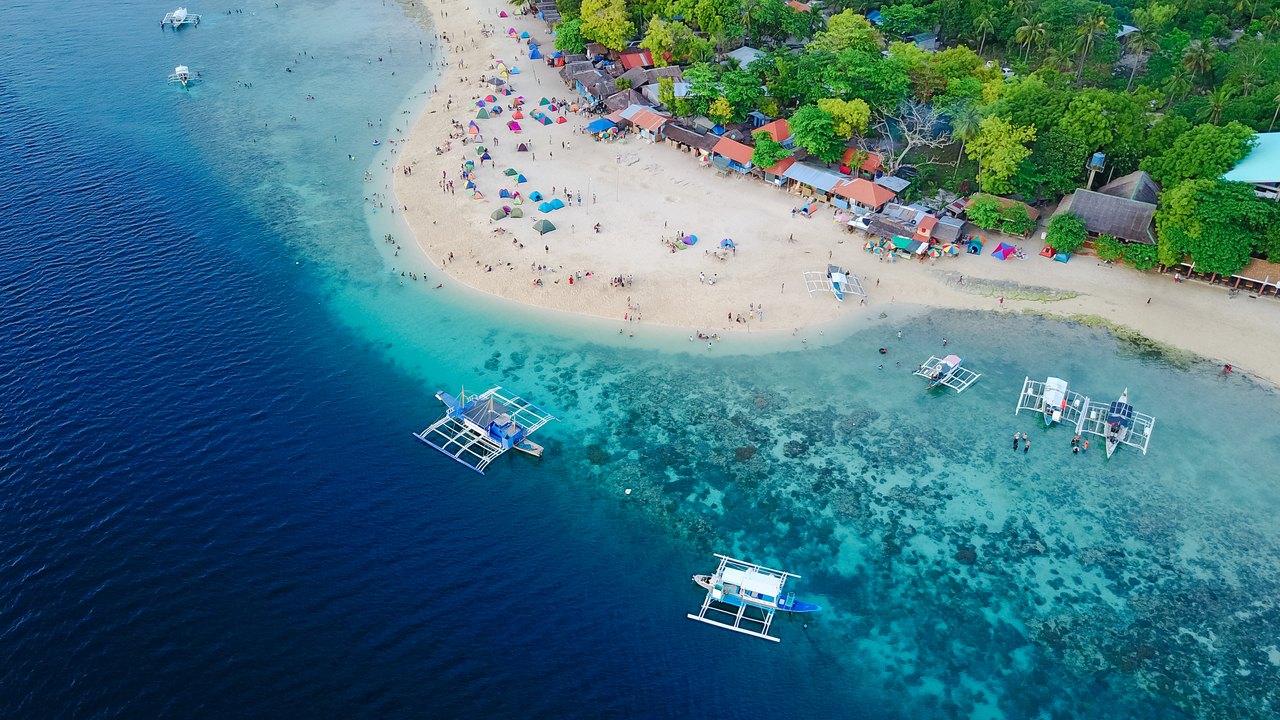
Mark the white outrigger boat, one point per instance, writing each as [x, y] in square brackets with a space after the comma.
[476, 431]
[1118, 423]
[835, 280]
[741, 585]
[1053, 399]
[947, 371]
[182, 74]
[180, 17]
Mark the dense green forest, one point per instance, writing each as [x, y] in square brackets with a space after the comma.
[1025, 93]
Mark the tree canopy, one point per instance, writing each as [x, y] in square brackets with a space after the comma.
[814, 130]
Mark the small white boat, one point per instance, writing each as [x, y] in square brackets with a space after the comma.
[180, 17]
[182, 74]
[1055, 400]
[1119, 422]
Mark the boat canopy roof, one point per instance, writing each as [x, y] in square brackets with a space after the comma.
[951, 360]
[1120, 412]
[756, 582]
[1054, 383]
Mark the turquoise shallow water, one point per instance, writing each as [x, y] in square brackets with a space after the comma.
[959, 579]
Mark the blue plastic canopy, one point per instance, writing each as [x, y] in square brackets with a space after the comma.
[600, 125]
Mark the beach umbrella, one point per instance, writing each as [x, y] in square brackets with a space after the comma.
[517, 212]
[490, 98]
[520, 179]
[535, 196]
[727, 243]
[505, 193]
[510, 171]
[1004, 251]
[561, 120]
[545, 207]
[543, 226]
[557, 203]
[522, 148]
[951, 249]
[689, 239]
[935, 253]
[870, 246]
[499, 214]
[544, 101]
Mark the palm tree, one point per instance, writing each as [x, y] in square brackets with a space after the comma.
[1020, 8]
[1179, 83]
[1198, 59]
[1095, 25]
[1218, 100]
[983, 24]
[1140, 43]
[1270, 22]
[964, 125]
[1030, 32]
[750, 8]
[1274, 114]
[1058, 58]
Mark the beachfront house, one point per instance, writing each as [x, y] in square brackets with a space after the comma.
[744, 56]
[776, 175]
[1261, 167]
[648, 123]
[634, 58]
[686, 140]
[814, 180]
[1123, 209]
[948, 230]
[871, 165]
[730, 154]
[780, 131]
[864, 195]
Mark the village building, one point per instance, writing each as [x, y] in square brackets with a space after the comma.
[1124, 209]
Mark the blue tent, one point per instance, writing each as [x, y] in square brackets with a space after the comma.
[505, 193]
[534, 54]
[470, 184]
[485, 157]
[515, 70]
[557, 203]
[524, 36]
[536, 196]
[545, 207]
[689, 239]
[600, 125]
[520, 179]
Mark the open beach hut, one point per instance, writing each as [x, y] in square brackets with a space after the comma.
[546, 207]
[557, 203]
[975, 244]
[517, 212]
[482, 115]
[520, 179]
[543, 226]
[522, 148]
[900, 243]
[510, 171]
[1004, 250]
[505, 193]
[536, 196]
[499, 214]
[496, 81]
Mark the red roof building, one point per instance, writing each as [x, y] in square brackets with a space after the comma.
[873, 163]
[924, 231]
[733, 150]
[650, 121]
[642, 59]
[787, 162]
[779, 130]
[865, 193]
[799, 6]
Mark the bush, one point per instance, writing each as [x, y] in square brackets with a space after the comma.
[623, 83]
[1017, 221]
[1108, 248]
[1142, 257]
[1066, 233]
[986, 212]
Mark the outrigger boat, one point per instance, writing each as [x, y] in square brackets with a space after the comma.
[836, 281]
[1121, 424]
[476, 431]
[947, 371]
[1053, 399]
[180, 17]
[745, 586]
[182, 74]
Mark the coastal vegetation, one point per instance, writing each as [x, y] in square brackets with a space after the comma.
[1010, 98]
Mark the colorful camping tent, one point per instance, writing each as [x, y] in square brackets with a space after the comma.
[535, 196]
[517, 212]
[502, 14]
[473, 128]
[522, 148]
[542, 119]
[490, 98]
[534, 54]
[545, 207]
[689, 239]
[480, 150]
[478, 196]
[482, 115]
[544, 101]
[543, 226]
[515, 70]
[561, 120]
[517, 115]
[505, 193]
[510, 171]
[525, 36]
[485, 157]
[727, 243]
[557, 203]
[470, 184]
[1004, 250]
[499, 214]
[513, 126]
[975, 244]
[520, 179]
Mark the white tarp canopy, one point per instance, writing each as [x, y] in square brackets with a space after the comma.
[759, 583]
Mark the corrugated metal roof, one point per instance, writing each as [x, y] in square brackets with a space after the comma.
[820, 178]
[1262, 165]
[893, 182]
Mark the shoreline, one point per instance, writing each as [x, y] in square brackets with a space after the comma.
[654, 186]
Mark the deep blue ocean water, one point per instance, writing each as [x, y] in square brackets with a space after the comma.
[211, 505]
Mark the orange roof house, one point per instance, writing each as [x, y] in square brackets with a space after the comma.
[873, 162]
[924, 231]
[733, 150]
[799, 6]
[779, 130]
[865, 193]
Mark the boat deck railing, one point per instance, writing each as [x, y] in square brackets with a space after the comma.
[958, 379]
[1032, 398]
[1094, 421]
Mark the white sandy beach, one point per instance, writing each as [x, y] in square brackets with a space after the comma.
[640, 193]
